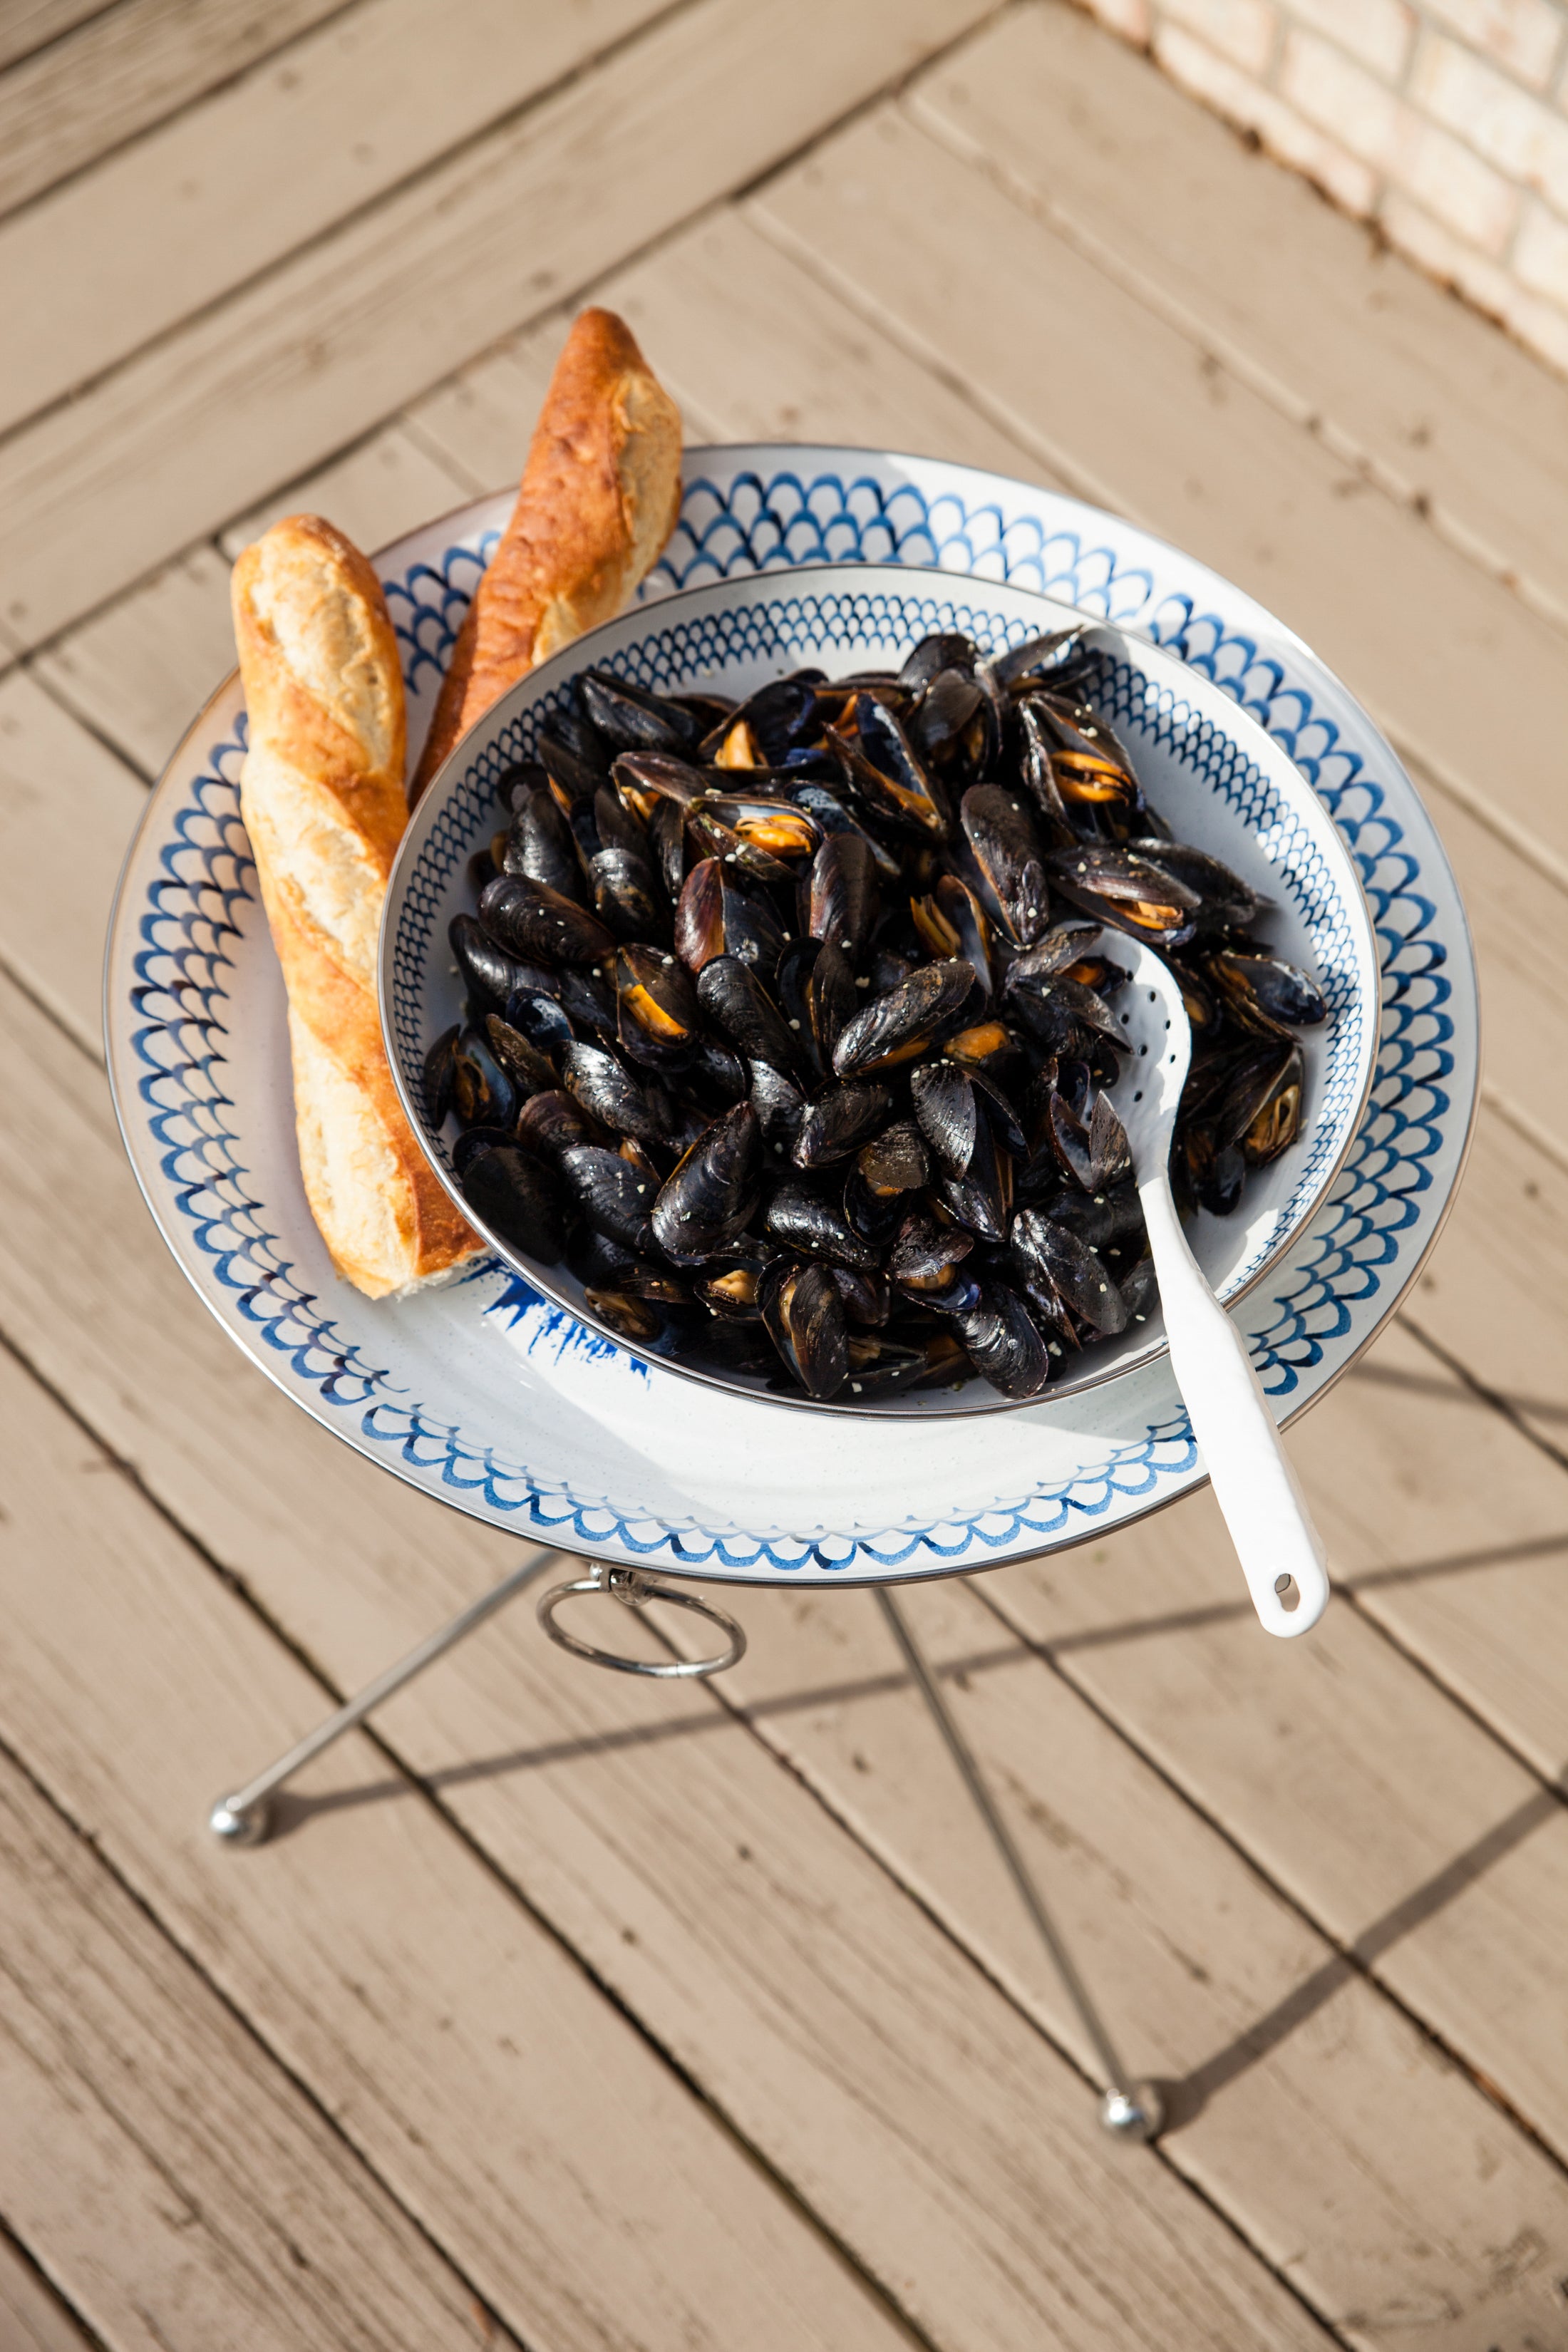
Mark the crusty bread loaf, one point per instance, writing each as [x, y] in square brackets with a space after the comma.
[600, 495]
[323, 795]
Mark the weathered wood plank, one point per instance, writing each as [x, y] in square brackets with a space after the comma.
[27, 24]
[588, 2196]
[1286, 2076]
[353, 109]
[129, 68]
[1157, 428]
[389, 485]
[66, 808]
[182, 2190]
[140, 670]
[1334, 328]
[32, 2319]
[1407, 1832]
[274, 380]
[948, 2148]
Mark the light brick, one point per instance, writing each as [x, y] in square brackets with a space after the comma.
[1129, 18]
[1525, 36]
[1541, 255]
[1519, 133]
[1542, 325]
[1345, 101]
[1349, 182]
[1242, 30]
[1378, 32]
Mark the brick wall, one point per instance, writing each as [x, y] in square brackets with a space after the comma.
[1443, 121]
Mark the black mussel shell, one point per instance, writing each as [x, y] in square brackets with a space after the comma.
[780, 1106]
[518, 1197]
[896, 1026]
[1261, 1108]
[628, 897]
[981, 1198]
[1039, 660]
[657, 1020]
[475, 1139]
[643, 1321]
[1071, 1268]
[952, 922]
[611, 1193]
[483, 1093]
[666, 845]
[836, 1123]
[1102, 1220]
[867, 1298]
[534, 920]
[842, 905]
[1067, 1137]
[1003, 1342]
[924, 1260]
[516, 783]
[1119, 886]
[1214, 1171]
[838, 823]
[762, 732]
[528, 1070]
[946, 650]
[1000, 830]
[598, 1261]
[886, 776]
[1266, 996]
[552, 1124]
[648, 782]
[607, 1091]
[631, 719]
[947, 1111]
[489, 972]
[712, 1196]
[539, 847]
[717, 916]
[831, 998]
[779, 829]
[715, 1076]
[731, 1291]
[541, 1021]
[1092, 772]
[985, 1046]
[734, 999]
[893, 1162]
[1225, 902]
[804, 1313]
[1109, 1153]
[1140, 1290]
[802, 1220]
[589, 1002]
[438, 1075]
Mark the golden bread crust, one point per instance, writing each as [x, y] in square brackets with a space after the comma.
[322, 798]
[599, 497]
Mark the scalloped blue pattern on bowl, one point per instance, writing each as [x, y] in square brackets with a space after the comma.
[771, 519]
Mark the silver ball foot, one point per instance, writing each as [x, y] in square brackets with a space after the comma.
[240, 1824]
[1134, 2114]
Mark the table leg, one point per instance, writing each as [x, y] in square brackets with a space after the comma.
[1132, 2110]
[246, 1817]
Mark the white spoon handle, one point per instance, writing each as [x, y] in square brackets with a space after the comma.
[1254, 1484]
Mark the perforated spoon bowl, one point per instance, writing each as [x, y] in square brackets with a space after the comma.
[1281, 1551]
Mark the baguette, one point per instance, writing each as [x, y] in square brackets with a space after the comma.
[599, 499]
[323, 796]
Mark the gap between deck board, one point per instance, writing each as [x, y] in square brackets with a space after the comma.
[280, 374]
[158, 2162]
[128, 68]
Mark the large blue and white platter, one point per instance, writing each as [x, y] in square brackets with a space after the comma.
[496, 1402]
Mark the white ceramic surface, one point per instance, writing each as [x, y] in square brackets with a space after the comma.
[512, 1413]
[1206, 766]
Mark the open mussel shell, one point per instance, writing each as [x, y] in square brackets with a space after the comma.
[656, 1017]
[718, 916]
[519, 1198]
[1000, 834]
[924, 1261]
[1261, 1108]
[952, 922]
[483, 1093]
[529, 1069]
[803, 1314]
[1118, 886]
[1263, 995]
[630, 718]
[809, 1222]
[712, 1196]
[896, 1026]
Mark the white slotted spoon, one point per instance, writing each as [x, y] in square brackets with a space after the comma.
[1281, 1551]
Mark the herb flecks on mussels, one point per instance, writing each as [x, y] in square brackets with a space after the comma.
[784, 1029]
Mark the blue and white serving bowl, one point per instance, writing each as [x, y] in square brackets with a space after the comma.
[491, 1397]
[1206, 765]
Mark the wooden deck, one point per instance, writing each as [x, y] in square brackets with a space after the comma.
[582, 2016]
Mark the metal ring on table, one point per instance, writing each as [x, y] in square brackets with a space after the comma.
[633, 1591]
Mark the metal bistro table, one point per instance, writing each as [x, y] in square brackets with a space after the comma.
[449, 1389]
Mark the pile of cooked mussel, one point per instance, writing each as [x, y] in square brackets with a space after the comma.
[790, 1026]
